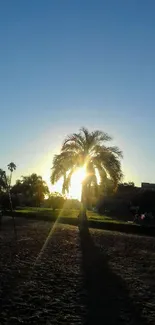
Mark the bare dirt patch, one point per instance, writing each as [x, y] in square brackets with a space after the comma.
[75, 276]
[41, 284]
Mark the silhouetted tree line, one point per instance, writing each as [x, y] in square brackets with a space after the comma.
[32, 191]
[28, 191]
[145, 201]
[88, 150]
[126, 201]
[58, 201]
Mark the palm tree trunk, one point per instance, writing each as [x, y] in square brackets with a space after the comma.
[10, 179]
[11, 207]
[83, 212]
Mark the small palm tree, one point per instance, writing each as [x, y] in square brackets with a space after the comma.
[87, 149]
[11, 167]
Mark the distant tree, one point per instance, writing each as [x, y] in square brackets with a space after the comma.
[5, 201]
[55, 201]
[87, 149]
[31, 190]
[131, 184]
[145, 201]
[3, 183]
[6, 198]
[119, 201]
[72, 204]
[11, 167]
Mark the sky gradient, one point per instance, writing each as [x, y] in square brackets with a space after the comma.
[67, 64]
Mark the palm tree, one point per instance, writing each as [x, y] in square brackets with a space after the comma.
[11, 167]
[87, 149]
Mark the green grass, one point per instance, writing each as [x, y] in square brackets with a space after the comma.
[69, 216]
[68, 213]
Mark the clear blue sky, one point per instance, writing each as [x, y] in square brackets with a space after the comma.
[71, 63]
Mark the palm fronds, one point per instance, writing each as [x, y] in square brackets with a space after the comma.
[87, 149]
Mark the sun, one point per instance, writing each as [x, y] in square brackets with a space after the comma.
[75, 186]
[76, 183]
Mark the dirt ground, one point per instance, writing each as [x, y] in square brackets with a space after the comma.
[58, 274]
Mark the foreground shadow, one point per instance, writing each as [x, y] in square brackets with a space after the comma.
[108, 299]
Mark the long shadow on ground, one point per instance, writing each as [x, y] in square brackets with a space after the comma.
[108, 299]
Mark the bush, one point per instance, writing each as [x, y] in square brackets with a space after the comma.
[145, 201]
[55, 201]
[5, 202]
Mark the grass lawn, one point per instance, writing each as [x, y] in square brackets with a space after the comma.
[75, 276]
[68, 213]
[69, 216]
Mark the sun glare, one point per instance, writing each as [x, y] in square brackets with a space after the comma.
[76, 183]
[75, 186]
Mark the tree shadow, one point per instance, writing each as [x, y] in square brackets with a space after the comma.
[108, 300]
